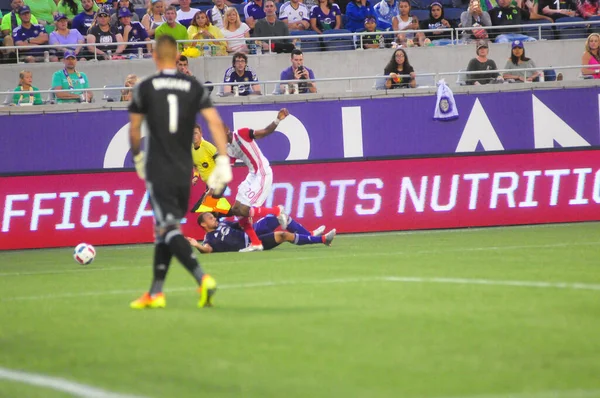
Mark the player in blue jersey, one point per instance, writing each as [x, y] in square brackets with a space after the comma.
[225, 236]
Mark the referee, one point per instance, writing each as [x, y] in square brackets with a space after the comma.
[169, 101]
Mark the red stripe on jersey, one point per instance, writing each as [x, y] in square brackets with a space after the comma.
[247, 153]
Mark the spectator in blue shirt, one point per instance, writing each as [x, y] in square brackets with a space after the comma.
[84, 20]
[241, 72]
[30, 36]
[253, 11]
[384, 12]
[133, 32]
[356, 12]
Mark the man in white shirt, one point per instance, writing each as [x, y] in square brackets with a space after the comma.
[295, 14]
[185, 14]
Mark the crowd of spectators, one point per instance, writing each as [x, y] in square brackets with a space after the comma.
[31, 23]
[221, 31]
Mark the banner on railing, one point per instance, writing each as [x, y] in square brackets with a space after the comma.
[326, 130]
[353, 196]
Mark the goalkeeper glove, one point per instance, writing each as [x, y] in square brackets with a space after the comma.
[221, 175]
[138, 160]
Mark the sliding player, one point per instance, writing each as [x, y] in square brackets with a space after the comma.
[225, 236]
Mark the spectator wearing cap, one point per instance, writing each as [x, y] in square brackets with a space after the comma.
[474, 17]
[325, 16]
[172, 27]
[518, 60]
[44, 11]
[84, 20]
[253, 11]
[154, 17]
[133, 32]
[25, 92]
[103, 33]
[62, 35]
[72, 8]
[295, 14]
[10, 22]
[373, 37]
[384, 12]
[482, 63]
[271, 26]
[71, 79]
[30, 36]
[115, 19]
[435, 23]
[185, 14]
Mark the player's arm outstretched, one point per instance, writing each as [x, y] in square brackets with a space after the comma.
[222, 174]
[202, 248]
[283, 113]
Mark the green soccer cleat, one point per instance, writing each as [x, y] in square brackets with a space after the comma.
[147, 301]
[207, 290]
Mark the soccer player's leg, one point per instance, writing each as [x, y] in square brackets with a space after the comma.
[271, 240]
[247, 190]
[300, 240]
[169, 203]
[260, 190]
[296, 227]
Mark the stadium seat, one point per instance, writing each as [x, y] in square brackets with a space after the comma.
[461, 78]
[594, 28]
[547, 33]
[453, 14]
[240, 10]
[379, 83]
[570, 32]
[308, 44]
[141, 12]
[112, 94]
[337, 43]
[421, 14]
[7, 100]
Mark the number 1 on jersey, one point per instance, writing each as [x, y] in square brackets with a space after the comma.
[173, 113]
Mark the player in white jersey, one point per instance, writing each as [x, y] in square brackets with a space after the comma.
[254, 190]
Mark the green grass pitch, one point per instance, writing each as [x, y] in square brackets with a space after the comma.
[494, 313]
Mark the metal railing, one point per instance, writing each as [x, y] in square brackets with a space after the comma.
[355, 39]
[433, 77]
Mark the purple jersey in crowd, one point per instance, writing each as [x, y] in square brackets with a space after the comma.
[288, 74]
[325, 21]
[21, 34]
[248, 76]
[82, 22]
[136, 35]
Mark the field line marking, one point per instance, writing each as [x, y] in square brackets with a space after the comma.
[396, 279]
[250, 258]
[59, 384]
[541, 394]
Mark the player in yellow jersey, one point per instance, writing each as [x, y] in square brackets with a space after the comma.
[203, 155]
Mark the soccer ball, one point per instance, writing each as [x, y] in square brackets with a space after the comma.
[84, 253]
